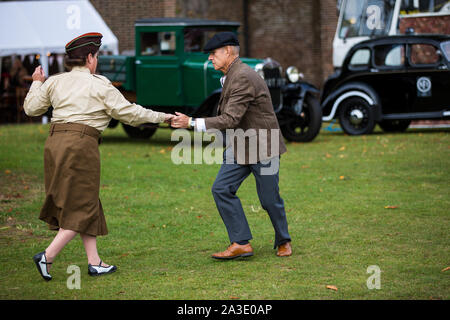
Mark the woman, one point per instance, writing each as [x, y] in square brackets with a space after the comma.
[83, 104]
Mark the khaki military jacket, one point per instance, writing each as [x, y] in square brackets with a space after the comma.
[81, 97]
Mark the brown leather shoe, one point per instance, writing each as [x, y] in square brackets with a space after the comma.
[235, 250]
[284, 250]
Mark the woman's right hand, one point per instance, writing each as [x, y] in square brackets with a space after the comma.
[38, 74]
[168, 118]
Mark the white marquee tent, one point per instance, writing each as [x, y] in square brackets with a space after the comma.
[44, 27]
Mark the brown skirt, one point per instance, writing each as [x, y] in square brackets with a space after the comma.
[72, 180]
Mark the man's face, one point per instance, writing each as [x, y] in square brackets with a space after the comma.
[219, 58]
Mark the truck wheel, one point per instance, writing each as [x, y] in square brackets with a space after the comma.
[394, 125]
[141, 132]
[113, 123]
[304, 128]
[356, 116]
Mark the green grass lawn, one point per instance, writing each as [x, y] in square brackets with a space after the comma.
[351, 202]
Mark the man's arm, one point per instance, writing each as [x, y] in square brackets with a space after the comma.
[241, 95]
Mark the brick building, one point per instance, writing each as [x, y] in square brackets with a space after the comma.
[293, 32]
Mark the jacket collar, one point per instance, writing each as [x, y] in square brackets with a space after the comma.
[81, 69]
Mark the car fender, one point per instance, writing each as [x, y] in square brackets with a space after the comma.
[207, 104]
[354, 89]
[308, 88]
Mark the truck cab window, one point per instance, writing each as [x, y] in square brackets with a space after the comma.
[158, 43]
[195, 38]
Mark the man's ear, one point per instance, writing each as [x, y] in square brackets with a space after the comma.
[229, 50]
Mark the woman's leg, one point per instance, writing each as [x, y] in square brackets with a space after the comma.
[62, 238]
[90, 245]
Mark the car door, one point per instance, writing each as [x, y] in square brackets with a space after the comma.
[388, 77]
[429, 76]
[158, 71]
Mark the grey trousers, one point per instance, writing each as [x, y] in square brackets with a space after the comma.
[224, 189]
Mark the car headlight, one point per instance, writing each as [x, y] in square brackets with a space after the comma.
[259, 69]
[292, 74]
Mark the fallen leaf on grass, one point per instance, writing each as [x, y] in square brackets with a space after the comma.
[342, 148]
[390, 207]
[342, 177]
[445, 269]
[233, 297]
[332, 287]
[7, 171]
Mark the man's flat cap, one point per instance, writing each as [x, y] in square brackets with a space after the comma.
[82, 45]
[220, 40]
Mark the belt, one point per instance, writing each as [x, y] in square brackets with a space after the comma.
[77, 127]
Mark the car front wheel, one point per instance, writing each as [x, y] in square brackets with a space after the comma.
[304, 128]
[356, 116]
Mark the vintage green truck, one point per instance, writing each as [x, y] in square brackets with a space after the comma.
[170, 72]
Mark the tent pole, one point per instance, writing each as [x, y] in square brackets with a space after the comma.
[44, 62]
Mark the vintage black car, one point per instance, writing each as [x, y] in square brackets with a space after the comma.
[390, 81]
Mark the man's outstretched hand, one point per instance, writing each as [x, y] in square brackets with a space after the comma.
[180, 121]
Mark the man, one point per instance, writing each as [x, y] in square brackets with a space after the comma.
[254, 146]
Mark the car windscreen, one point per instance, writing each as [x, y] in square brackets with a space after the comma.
[446, 49]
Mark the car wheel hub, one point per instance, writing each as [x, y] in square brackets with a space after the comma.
[356, 117]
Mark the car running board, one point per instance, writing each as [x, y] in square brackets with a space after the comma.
[416, 115]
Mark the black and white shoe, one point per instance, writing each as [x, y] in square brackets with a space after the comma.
[41, 264]
[99, 270]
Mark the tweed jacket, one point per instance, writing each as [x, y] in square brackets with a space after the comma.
[245, 112]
